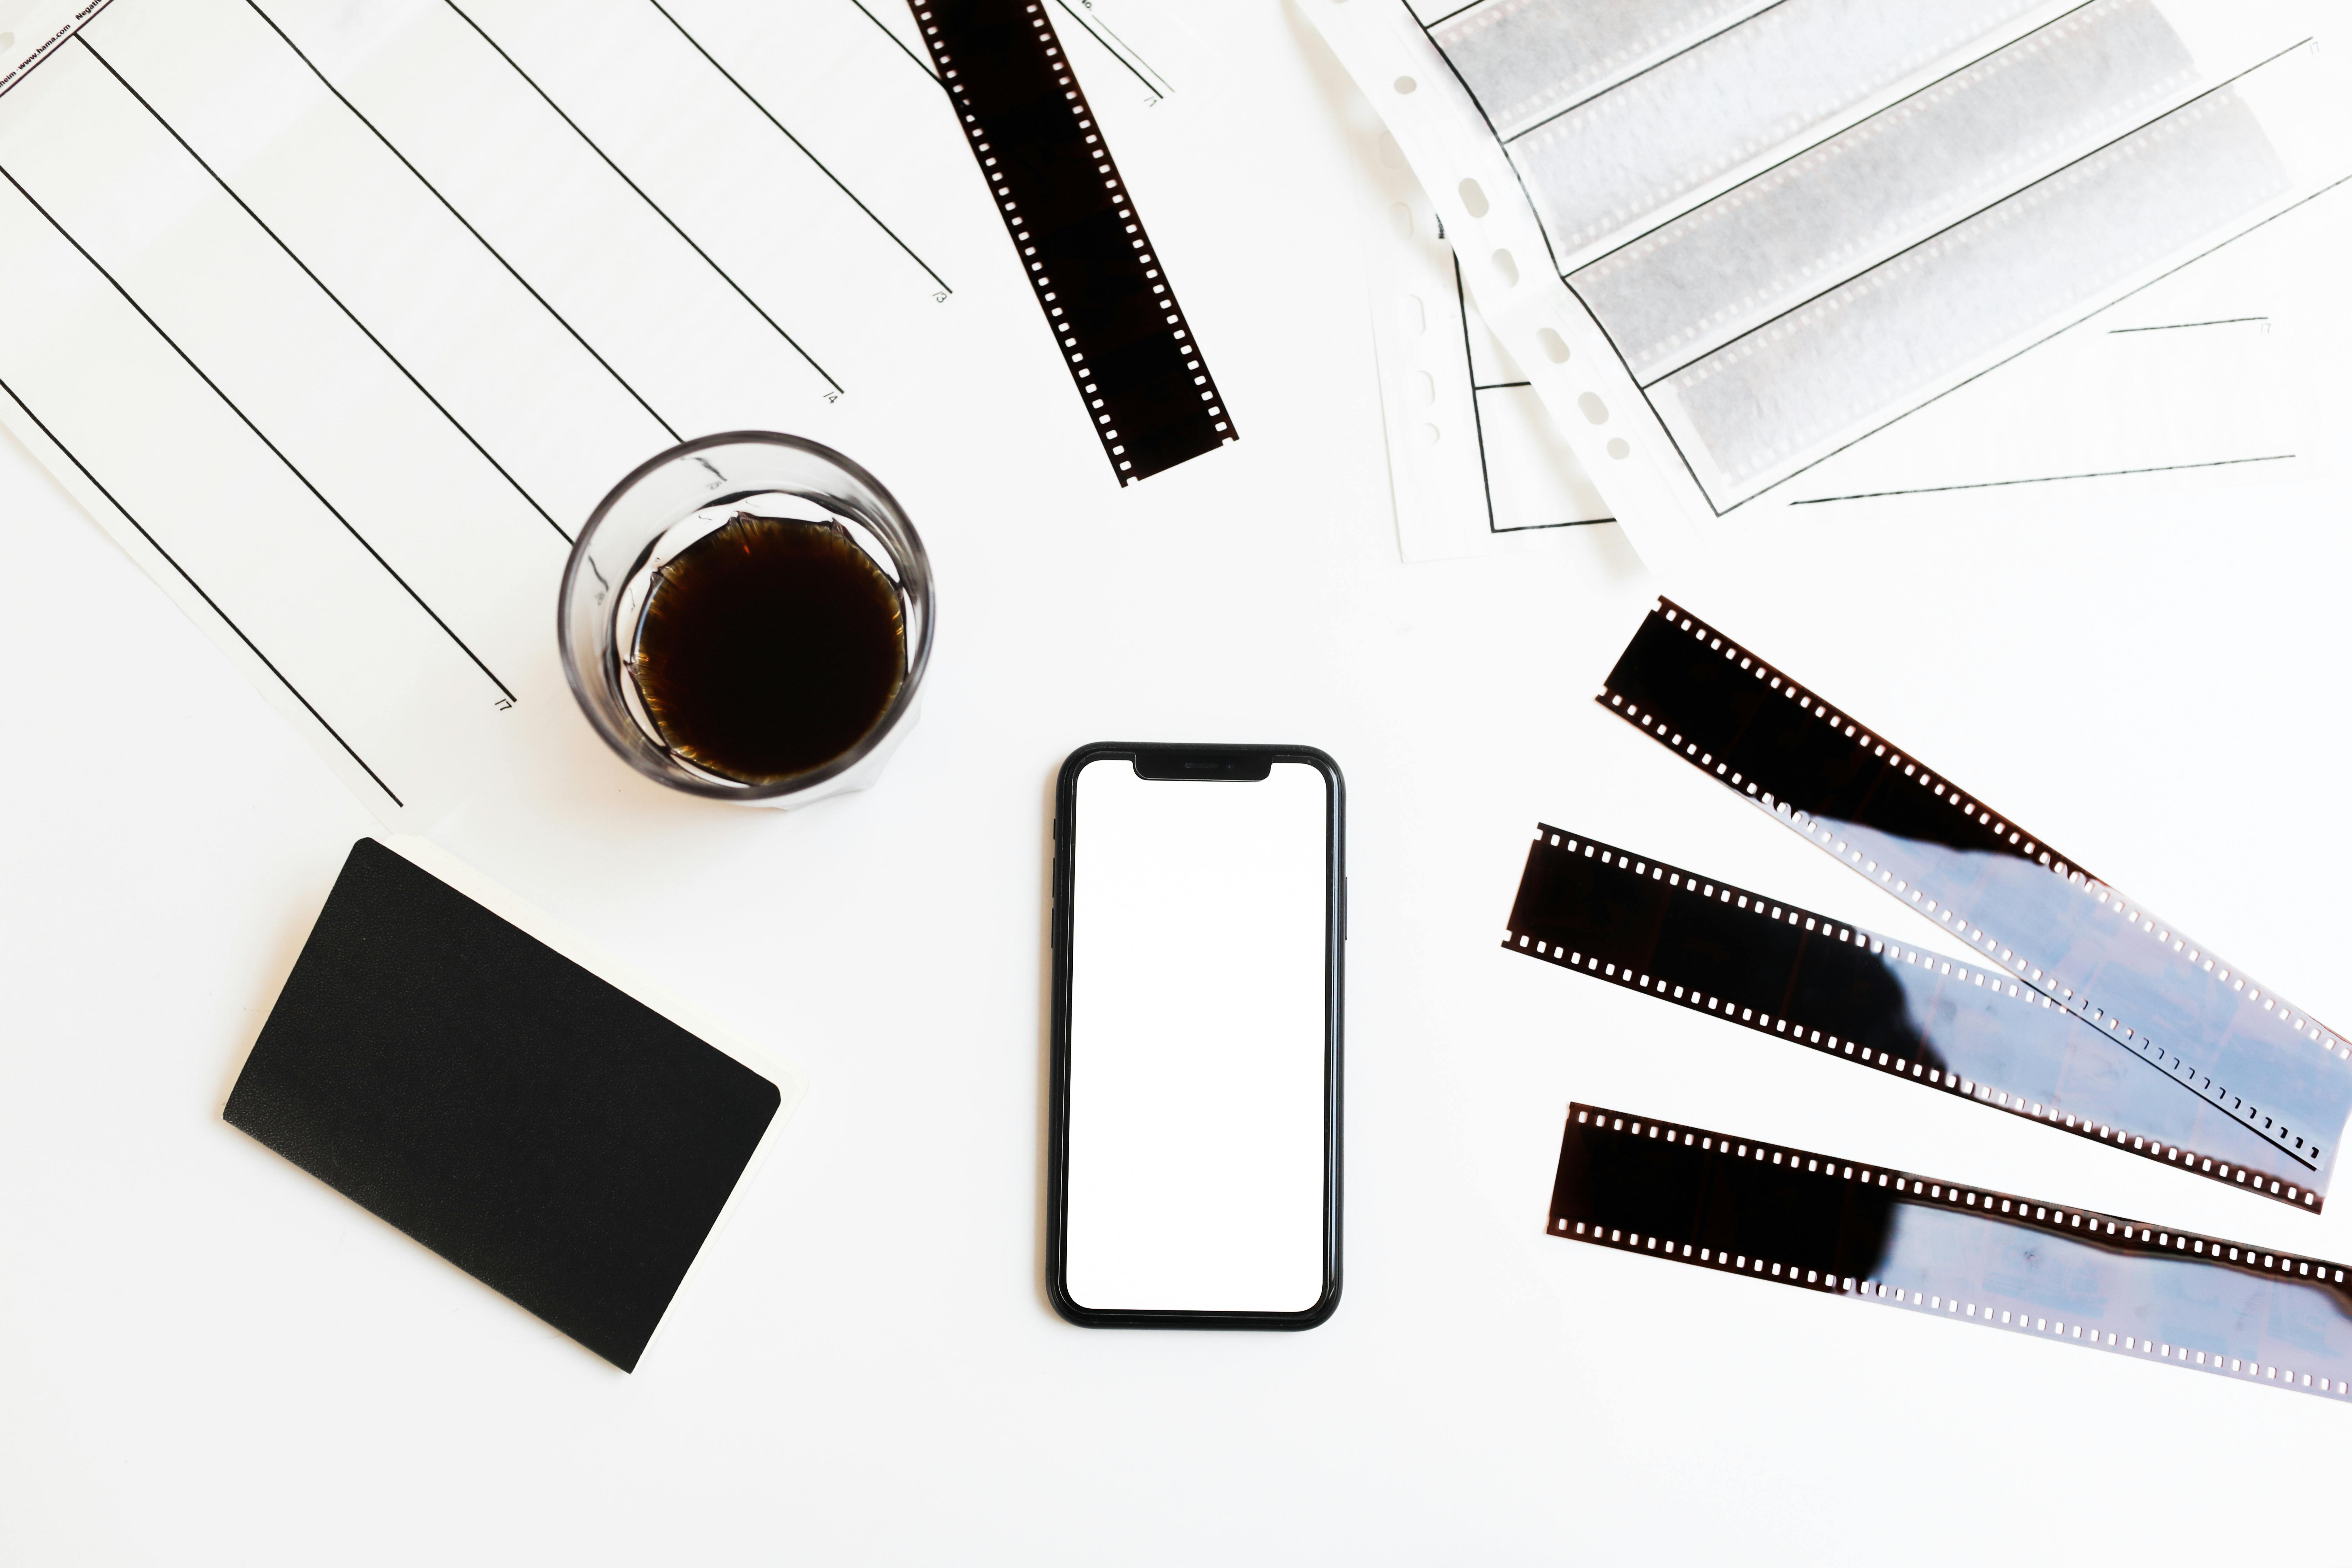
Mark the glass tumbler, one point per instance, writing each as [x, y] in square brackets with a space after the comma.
[670, 503]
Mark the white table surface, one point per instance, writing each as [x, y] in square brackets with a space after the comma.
[207, 1356]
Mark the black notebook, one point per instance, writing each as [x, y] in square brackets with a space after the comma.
[539, 1128]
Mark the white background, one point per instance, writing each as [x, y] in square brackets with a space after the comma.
[205, 1355]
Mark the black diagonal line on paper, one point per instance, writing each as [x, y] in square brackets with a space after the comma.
[1636, 76]
[895, 38]
[589, 142]
[2184, 326]
[767, 114]
[198, 589]
[1115, 47]
[2045, 480]
[336, 300]
[1477, 420]
[56, 41]
[2063, 327]
[496, 255]
[247, 420]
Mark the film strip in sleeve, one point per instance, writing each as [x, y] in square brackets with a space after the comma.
[1973, 1030]
[1074, 223]
[2021, 905]
[1864, 1233]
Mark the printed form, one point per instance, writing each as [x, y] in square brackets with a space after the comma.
[344, 319]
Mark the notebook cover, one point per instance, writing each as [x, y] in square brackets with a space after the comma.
[542, 1129]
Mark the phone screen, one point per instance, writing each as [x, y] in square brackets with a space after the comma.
[1200, 1033]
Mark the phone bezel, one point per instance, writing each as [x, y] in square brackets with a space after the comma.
[1210, 762]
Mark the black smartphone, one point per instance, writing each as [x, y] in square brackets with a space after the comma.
[1200, 915]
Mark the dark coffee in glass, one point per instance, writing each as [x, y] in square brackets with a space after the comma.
[748, 617]
[769, 647]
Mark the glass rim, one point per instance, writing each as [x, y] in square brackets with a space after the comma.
[639, 749]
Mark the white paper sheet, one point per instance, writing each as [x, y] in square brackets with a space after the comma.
[1741, 246]
[343, 317]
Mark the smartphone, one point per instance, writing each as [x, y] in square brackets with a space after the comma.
[1199, 915]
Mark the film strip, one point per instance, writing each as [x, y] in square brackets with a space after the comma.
[1864, 1233]
[1094, 269]
[2036, 914]
[1860, 996]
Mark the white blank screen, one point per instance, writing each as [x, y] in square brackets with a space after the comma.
[1196, 1045]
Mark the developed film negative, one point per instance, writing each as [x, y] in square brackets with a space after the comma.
[2027, 909]
[1863, 1233]
[1092, 265]
[1800, 975]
